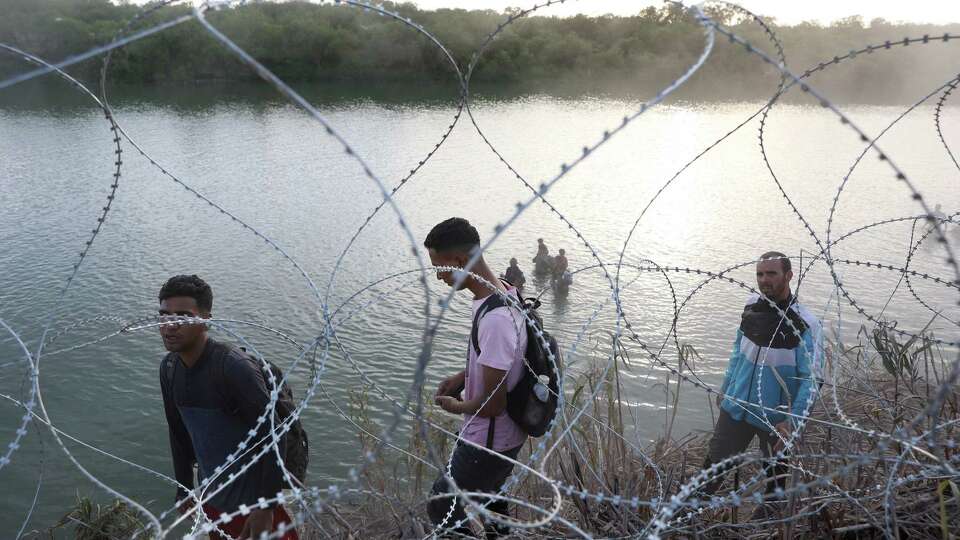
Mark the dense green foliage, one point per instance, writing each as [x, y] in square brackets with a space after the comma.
[301, 41]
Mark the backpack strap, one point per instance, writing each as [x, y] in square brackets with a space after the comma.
[491, 429]
[492, 302]
[221, 359]
[282, 409]
[169, 365]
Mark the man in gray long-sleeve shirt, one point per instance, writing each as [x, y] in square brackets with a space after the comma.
[213, 394]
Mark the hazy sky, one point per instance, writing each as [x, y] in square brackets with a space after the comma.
[786, 11]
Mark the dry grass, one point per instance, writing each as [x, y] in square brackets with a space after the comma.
[880, 391]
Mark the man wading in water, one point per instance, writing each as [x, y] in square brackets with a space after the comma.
[514, 275]
[212, 396]
[542, 260]
[779, 357]
[494, 365]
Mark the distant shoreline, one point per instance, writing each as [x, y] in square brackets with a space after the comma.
[50, 91]
[307, 44]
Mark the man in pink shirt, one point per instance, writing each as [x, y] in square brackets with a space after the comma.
[494, 366]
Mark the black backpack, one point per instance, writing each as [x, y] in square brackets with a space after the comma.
[524, 406]
[295, 442]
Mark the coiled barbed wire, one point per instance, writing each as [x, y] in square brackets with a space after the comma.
[666, 508]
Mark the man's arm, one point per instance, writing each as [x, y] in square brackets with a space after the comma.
[181, 448]
[808, 361]
[498, 339]
[482, 406]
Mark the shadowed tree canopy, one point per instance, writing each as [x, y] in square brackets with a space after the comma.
[306, 42]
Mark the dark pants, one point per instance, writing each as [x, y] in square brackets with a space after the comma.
[732, 437]
[474, 470]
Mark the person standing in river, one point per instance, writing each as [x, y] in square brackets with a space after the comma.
[514, 275]
[560, 265]
[771, 373]
[542, 260]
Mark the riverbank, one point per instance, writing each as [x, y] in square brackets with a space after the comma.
[858, 479]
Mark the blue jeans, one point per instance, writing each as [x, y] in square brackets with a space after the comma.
[473, 470]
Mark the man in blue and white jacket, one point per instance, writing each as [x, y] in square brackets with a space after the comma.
[772, 370]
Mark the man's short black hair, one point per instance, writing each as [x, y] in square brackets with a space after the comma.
[454, 234]
[191, 286]
[784, 260]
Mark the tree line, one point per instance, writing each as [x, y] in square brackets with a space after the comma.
[306, 42]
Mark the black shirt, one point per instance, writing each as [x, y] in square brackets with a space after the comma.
[515, 276]
[210, 409]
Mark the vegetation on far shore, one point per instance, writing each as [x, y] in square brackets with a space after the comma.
[304, 42]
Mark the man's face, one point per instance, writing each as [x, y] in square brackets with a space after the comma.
[771, 279]
[181, 337]
[454, 259]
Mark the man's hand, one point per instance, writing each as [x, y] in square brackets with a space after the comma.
[449, 385]
[259, 521]
[783, 428]
[449, 404]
